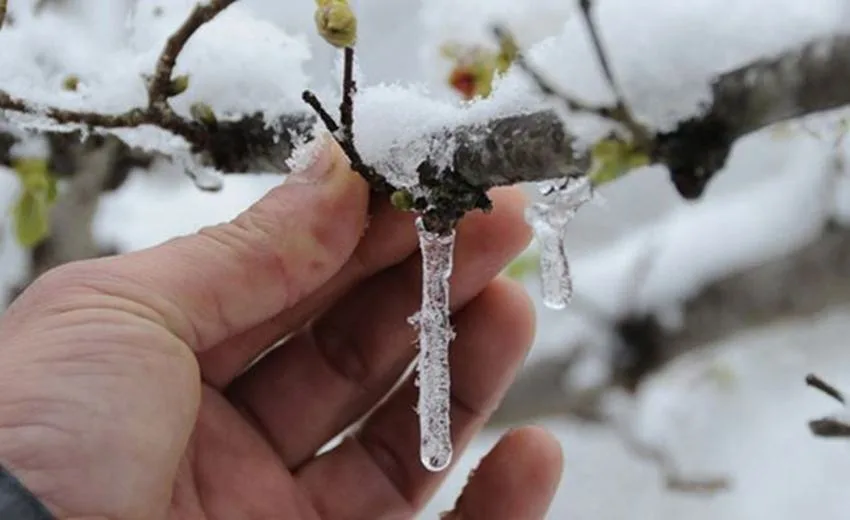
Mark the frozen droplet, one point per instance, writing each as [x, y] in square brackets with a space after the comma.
[205, 178]
[549, 219]
[435, 334]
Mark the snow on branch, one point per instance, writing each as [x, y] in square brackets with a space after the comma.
[533, 146]
[161, 87]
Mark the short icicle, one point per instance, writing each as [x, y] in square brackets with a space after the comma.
[549, 219]
[435, 334]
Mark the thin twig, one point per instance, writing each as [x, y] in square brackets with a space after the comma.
[343, 132]
[130, 119]
[829, 427]
[587, 14]
[547, 87]
[158, 89]
[349, 88]
[618, 113]
[816, 382]
[157, 113]
[314, 103]
[640, 133]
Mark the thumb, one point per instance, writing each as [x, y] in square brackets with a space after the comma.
[227, 278]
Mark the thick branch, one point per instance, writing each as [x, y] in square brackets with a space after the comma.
[535, 146]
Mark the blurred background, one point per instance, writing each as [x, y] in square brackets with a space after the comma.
[675, 379]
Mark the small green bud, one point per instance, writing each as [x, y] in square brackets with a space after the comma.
[71, 83]
[31, 212]
[613, 158]
[178, 85]
[336, 22]
[203, 113]
[402, 199]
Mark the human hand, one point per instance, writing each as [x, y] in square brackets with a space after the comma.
[127, 389]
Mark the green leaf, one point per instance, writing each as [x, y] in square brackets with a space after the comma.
[39, 190]
[52, 191]
[31, 214]
[613, 158]
[33, 173]
[523, 266]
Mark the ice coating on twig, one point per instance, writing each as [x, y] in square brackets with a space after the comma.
[549, 219]
[435, 334]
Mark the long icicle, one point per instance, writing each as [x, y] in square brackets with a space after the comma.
[435, 334]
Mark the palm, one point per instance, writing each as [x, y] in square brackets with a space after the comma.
[230, 471]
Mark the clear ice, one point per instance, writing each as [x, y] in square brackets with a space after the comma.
[205, 178]
[435, 334]
[549, 219]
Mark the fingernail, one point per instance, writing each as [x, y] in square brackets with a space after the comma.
[319, 167]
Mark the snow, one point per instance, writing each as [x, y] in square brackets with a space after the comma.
[435, 335]
[773, 197]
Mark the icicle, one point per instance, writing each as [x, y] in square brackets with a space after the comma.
[435, 334]
[549, 219]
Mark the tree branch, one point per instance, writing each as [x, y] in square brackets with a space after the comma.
[803, 283]
[535, 146]
[158, 90]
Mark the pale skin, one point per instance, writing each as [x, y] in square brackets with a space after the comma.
[126, 390]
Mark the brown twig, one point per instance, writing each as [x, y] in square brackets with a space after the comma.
[159, 87]
[547, 87]
[816, 382]
[829, 427]
[158, 112]
[343, 132]
[640, 134]
[620, 113]
[349, 88]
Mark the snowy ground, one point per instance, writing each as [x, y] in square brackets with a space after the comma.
[773, 196]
